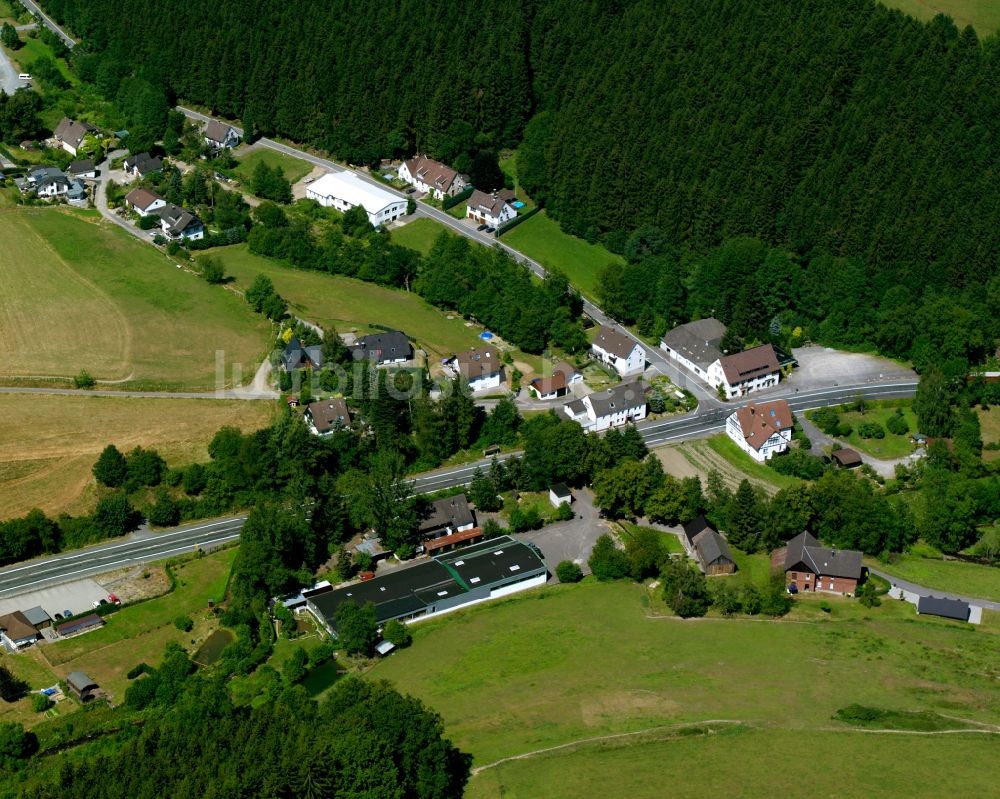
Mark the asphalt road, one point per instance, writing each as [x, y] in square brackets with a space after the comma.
[140, 548]
[47, 21]
[924, 591]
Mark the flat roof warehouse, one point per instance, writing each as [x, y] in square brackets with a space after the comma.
[473, 574]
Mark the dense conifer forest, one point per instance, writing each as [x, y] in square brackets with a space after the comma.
[839, 130]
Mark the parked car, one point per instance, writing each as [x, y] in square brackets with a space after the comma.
[365, 576]
[67, 613]
[99, 602]
[114, 599]
[491, 230]
[409, 190]
[59, 617]
[482, 226]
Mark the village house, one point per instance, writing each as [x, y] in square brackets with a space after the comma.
[81, 685]
[16, 632]
[144, 201]
[138, 166]
[432, 177]
[943, 606]
[846, 458]
[84, 168]
[808, 566]
[761, 430]
[327, 416]
[295, 356]
[560, 494]
[493, 209]
[613, 348]
[745, 372]
[696, 345]
[481, 367]
[70, 134]
[446, 516]
[345, 190]
[382, 349]
[615, 407]
[179, 223]
[47, 182]
[707, 546]
[218, 135]
[557, 385]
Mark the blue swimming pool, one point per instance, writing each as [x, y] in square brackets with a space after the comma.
[519, 204]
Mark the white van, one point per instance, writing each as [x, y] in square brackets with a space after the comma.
[24, 76]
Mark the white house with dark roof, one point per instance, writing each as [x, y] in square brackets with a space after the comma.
[744, 372]
[70, 134]
[345, 190]
[142, 164]
[493, 209]
[383, 349]
[144, 201]
[179, 223]
[613, 348]
[695, 345]
[481, 367]
[761, 429]
[432, 177]
[84, 168]
[218, 135]
[615, 407]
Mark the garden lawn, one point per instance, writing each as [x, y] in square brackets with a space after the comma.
[79, 293]
[736, 761]
[989, 424]
[49, 442]
[34, 49]
[968, 579]
[541, 239]
[892, 446]
[348, 303]
[671, 543]
[419, 234]
[139, 633]
[565, 663]
[983, 15]
[294, 168]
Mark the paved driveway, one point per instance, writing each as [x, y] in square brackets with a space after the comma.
[570, 540]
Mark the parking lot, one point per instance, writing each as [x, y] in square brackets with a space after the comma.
[572, 540]
[822, 367]
[76, 597]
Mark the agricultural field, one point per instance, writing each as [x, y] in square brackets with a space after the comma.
[81, 294]
[719, 453]
[294, 168]
[349, 304]
[419, 234]
[541, 239]
[48, 442]
[559, 667]
[968, 579]
[983, 15]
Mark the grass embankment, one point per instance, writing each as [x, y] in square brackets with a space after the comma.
[671, 543]
[541, 239]
[723, 446]
[348, 303]
[49, 442]
[294, 168]
[983, 15]
[81, 294]
[419, 234]
[968, 579]
[570, 663]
